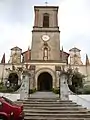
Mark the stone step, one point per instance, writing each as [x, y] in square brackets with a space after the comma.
[37, 102]
[57, 111]
[52, 118]
[58, 115]
[44, 100]
[50, 105]
[54, 108]
[44, 94]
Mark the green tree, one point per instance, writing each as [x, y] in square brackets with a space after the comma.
[76, 79]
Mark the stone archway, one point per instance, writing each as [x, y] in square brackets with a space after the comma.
[13, 79]
[44, 82]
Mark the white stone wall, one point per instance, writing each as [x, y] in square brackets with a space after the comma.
[83, 100]
[13, 97]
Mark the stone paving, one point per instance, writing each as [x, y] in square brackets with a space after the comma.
[44, 95]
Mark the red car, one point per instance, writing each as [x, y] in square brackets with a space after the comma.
[10, 110]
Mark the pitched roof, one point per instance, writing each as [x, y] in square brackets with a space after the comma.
[46, 6]
[75, 49]
[16, 48]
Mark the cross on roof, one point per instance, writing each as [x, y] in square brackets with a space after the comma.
[46, 2]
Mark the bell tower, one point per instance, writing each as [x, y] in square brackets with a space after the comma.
[45, 34]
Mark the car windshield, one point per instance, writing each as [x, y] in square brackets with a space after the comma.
[8, 101]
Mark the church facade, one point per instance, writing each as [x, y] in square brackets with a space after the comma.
[44, 60]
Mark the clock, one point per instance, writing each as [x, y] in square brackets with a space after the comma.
[45, 37]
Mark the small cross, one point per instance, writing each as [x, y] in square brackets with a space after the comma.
[46, 3]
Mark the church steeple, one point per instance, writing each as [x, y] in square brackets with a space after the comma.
[48, 14]
[45, 30]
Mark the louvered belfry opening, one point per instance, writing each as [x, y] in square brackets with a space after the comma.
[46, 20]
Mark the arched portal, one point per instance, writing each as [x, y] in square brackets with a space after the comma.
[13, 78]
[44, 82]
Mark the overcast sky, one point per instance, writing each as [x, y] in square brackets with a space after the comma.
[17, 18]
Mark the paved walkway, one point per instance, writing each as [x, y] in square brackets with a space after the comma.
[44, 95]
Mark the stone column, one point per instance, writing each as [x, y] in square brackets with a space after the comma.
[36, 18]
[64, 89]
[24, 90]
[58, 70]
[32, 77]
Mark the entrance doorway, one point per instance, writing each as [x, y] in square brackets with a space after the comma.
[13, 79]
[45, 82]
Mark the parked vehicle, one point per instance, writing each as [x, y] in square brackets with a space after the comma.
[4, 116]
[10, 110]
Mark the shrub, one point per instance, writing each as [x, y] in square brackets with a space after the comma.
[5, 90]
[77, 90]
[16, 87]
[86, 89]
[76, 78]
[56, 90]
[32, 91]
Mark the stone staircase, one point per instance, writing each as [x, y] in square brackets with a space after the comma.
[53, 109]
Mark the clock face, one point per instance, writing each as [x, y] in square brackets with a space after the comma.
[45, 37]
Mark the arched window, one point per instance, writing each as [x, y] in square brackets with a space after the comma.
[46, 20]
[45, 57]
